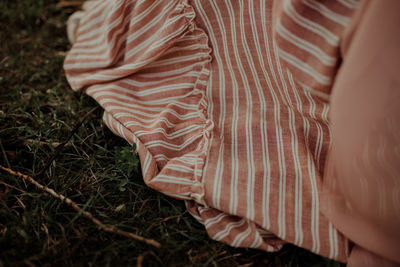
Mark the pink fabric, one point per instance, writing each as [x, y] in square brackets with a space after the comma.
[361, 193]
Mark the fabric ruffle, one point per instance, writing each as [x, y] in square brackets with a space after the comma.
[147, 64]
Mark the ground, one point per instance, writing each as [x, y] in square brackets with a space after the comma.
[96, 169]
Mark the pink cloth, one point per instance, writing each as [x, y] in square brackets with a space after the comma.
[361, 192]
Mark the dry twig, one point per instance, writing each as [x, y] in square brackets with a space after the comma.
[64, 3]
[139, 261]
[31, 141]
[102, 226]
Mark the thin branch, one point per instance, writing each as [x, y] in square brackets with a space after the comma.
[102, 226]
[64, 3]
[32, 141]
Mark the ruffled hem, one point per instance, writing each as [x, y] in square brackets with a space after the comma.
[150, 78]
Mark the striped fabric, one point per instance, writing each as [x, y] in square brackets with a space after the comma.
[308, 37]
[222, 107]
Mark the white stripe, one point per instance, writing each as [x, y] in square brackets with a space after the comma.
[322, 9]
[146, 27]
[314, 190]
[224, 233]
[147, 92]
[107, 26]
[249, 140]
[257, 241]
[263, 110]
[310, 25]
[146, 164]
[299, 174]
[241, 236]
[349, 3]
[171, 135]
[318, 93]
[297, 168]
[175, 72]
[177, 59]
[131, 112]
[151, 83]
[154, 108]
[89, 21]
[116, 99]
[216, 197]
[266, 193]
[152, 122]
[187, 47]
[179, 168]
[301, 65]
[335, 244]
[102, 76]
[99, 48]
[305, 45]
[331, 246]
[320, 136]
[214, 220]
[182, 196]
[171, 180]
[138, 17]
[180, 147]
[281, 158]
[155, 41]
[235, 158]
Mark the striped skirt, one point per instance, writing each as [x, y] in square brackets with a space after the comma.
[227, 103]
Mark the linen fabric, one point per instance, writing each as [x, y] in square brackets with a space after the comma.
[227, 102]
[361, 187]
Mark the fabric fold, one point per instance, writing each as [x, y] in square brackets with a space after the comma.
[147, 64]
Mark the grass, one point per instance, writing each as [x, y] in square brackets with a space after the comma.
[96, 169]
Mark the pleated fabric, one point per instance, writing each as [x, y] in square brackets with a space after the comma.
[227, 102]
